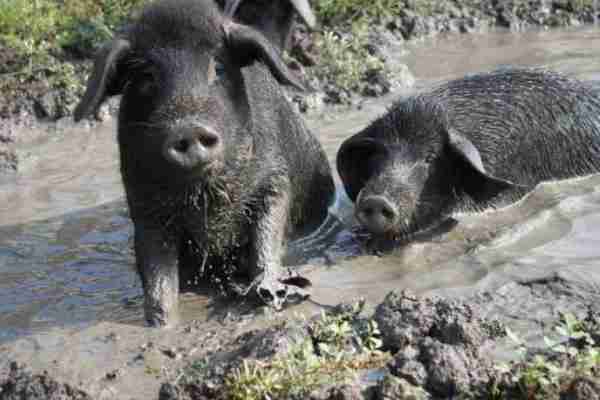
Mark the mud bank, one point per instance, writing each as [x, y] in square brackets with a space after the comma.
[32, 96]
[408, 346]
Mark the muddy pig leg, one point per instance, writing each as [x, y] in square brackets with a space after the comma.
[157, 265]
[267, 248]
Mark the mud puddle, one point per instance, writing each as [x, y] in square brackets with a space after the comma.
[70, 301]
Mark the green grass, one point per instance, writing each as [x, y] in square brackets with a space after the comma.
[339, 345]
[344, 11]
[330, 11]
[41, 42]
[546, 374]
[345, 60]
[42, 34]
[34, 26]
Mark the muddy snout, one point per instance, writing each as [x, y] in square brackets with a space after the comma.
[376, 213]
[193, 145]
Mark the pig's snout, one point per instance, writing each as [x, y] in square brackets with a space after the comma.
[377, 214]
[192, 146]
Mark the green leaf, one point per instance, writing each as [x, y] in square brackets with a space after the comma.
[561, 330]
[549, 342]
[560, 349]
[572, 351]
[579, 335]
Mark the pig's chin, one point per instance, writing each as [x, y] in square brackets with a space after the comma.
[202, 175]
[404, 235]
[397, 234]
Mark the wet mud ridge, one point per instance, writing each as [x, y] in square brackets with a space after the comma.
[409, 347]
[19, 383]
[438, 345]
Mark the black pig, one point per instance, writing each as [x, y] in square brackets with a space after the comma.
[275, 18]
[472, 143]
[218, 169]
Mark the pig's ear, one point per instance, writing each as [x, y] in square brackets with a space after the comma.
[305, 12]
[358, 159]
[105, 79]
[474, 180]
[275, 19]
[247, 45]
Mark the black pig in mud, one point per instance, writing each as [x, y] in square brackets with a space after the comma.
[469, 144]
[218, 170]
[275, 18]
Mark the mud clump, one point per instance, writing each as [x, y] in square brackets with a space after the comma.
[582, 389]
[418, 348]
[205, 378]
[21, 384]
[9, 159]
[411, 347]
[438, 344]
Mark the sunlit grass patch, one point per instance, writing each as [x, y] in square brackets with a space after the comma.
[339, 346]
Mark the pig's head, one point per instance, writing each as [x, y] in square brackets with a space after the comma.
[273, 17]
[180, 70]
[408, 171]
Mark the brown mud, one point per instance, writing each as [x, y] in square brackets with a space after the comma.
[437, 348]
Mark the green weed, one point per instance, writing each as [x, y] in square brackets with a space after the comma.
[43, 33]
[572, 355]
[339, 345]
[350, 10]
[344, 59]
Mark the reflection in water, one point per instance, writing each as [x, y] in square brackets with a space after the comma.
[65, 253]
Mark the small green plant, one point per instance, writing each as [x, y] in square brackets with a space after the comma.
[34, 27]
[41, 38]
[340, 344]
[293, 374]
[570, 356]
[343, 10]
[345, 60]
[580, 5]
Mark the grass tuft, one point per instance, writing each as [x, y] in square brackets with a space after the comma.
[548, 373]
[340, 345]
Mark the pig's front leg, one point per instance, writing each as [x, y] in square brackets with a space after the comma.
[274, 283]
[157, 264]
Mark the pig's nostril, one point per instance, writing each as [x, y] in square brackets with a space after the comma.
[368, 211]
[192, 146]
[377, 213]
[387, 213]
[209, 140]
[182, 146]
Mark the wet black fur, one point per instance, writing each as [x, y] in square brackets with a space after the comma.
[208, 219]
[528, 126]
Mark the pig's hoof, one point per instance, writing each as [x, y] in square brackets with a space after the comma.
[160, 318]
[276, 293]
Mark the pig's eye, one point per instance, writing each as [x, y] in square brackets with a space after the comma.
[430, 157]
[143, 79]
[146, 84]
[219, 69]
[216, 70]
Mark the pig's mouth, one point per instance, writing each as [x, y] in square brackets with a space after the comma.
[379, 243]
[203, 173]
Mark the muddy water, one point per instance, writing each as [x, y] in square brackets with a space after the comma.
[65, 258]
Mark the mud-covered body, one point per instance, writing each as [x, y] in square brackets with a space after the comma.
[472, 143]
[218, 169]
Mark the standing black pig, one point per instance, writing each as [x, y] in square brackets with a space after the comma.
[469, 144]
[275, 18]
[217, 168]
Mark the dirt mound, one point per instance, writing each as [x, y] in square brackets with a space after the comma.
[20, 384]
[439, 344]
